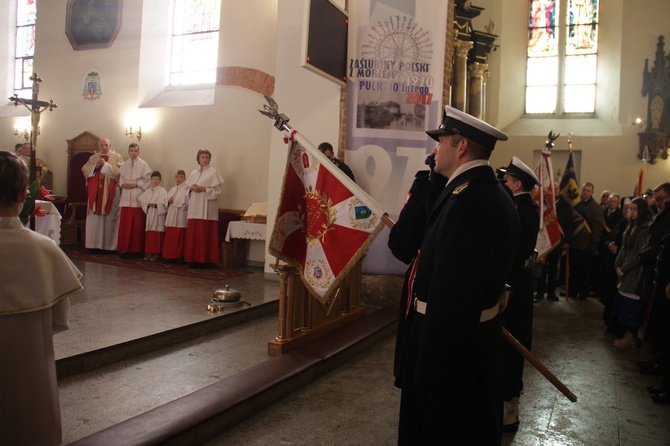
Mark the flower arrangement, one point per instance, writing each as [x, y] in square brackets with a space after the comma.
[36, 191]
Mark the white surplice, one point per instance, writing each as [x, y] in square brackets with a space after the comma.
[36, 279]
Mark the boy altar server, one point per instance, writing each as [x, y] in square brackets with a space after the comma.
[36, 279]
[153, 202]
[135, 178]
[176, 220]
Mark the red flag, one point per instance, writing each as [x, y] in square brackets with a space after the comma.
[325, 222]
[549, 235]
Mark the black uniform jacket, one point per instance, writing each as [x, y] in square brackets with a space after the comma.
[658, 327]
[518, 316]
[466, 255]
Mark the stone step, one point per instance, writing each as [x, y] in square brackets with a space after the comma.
[202, 414]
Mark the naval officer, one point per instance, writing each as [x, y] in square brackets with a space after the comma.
[518, 315]
[450, 357]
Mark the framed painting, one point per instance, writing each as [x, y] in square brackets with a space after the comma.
[92, 24]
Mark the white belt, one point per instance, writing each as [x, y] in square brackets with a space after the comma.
[487, 315]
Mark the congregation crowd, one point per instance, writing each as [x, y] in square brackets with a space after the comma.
[625, 263]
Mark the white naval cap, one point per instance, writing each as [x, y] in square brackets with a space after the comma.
[519, 170]
[457, 122]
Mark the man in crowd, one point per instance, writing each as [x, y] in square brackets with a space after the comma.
[102, 217]
[327, 149]
[449, 362]
[518, 315]
[584, 244]
[657, 327]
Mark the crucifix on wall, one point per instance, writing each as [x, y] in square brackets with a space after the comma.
[36, 107]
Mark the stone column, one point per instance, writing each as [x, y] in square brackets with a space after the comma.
[477, 89]
[460, 85]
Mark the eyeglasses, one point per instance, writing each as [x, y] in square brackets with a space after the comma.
[660, 199]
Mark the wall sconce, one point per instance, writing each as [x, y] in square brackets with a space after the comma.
[133, 134]
[638, 121]
[18, 132]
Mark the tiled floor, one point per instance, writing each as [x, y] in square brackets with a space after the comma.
[357, 403]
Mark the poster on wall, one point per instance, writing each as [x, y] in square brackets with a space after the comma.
[394, 92]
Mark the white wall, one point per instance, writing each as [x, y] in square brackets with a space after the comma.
[309, 100]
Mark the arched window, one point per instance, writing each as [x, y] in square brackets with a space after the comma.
[562, 57]
[195, 41]
[26, 11]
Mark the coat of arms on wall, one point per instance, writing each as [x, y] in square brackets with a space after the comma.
[92, 24]
[92, 87]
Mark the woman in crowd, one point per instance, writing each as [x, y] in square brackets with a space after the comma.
[627, 308]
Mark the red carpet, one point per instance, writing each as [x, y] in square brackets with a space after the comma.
[213, 273]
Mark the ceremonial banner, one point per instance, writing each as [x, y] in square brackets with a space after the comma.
[394, 93]
[549, 235]
[572, 194]
[324, 222]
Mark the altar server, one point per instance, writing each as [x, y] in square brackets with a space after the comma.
[36, 279]
[202, 233]
[134, 179]
[153, 202]
[176, 220]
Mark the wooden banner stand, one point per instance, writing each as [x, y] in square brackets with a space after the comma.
[303, 318]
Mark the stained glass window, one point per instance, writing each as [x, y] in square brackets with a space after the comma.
[26, 11]
[562, 57]
[195, 42]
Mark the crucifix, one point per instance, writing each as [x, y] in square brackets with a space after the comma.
[36, 107]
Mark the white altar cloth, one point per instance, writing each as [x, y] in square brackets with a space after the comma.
[243, 229]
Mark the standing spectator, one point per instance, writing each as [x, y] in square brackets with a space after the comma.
[450, 360]
[327, 149]
[658, 320]
[202, 233]
[154, 201]
[102, 216]
[604, 265]
[604, 199]
[548, 280]
[134, 179]
[36, 279]
[566, 222]
[614, 244]
[649, 196]
[584, 244]
[655, 331]
[176, 220]
[518, 315]
[627, 304]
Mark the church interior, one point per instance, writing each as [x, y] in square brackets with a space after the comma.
[145, 362]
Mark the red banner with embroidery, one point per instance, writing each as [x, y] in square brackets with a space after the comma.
[549, 235]
[324, 222]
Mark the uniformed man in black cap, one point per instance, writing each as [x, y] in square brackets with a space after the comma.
[518, 315]
[450, 357]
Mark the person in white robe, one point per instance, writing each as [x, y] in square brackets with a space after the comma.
[134, 179]
[202, 233]
[37, 278]
[176, 220]
[154, 204]
[102, 216]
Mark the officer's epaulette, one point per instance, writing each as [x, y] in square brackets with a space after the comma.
[461, 188]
